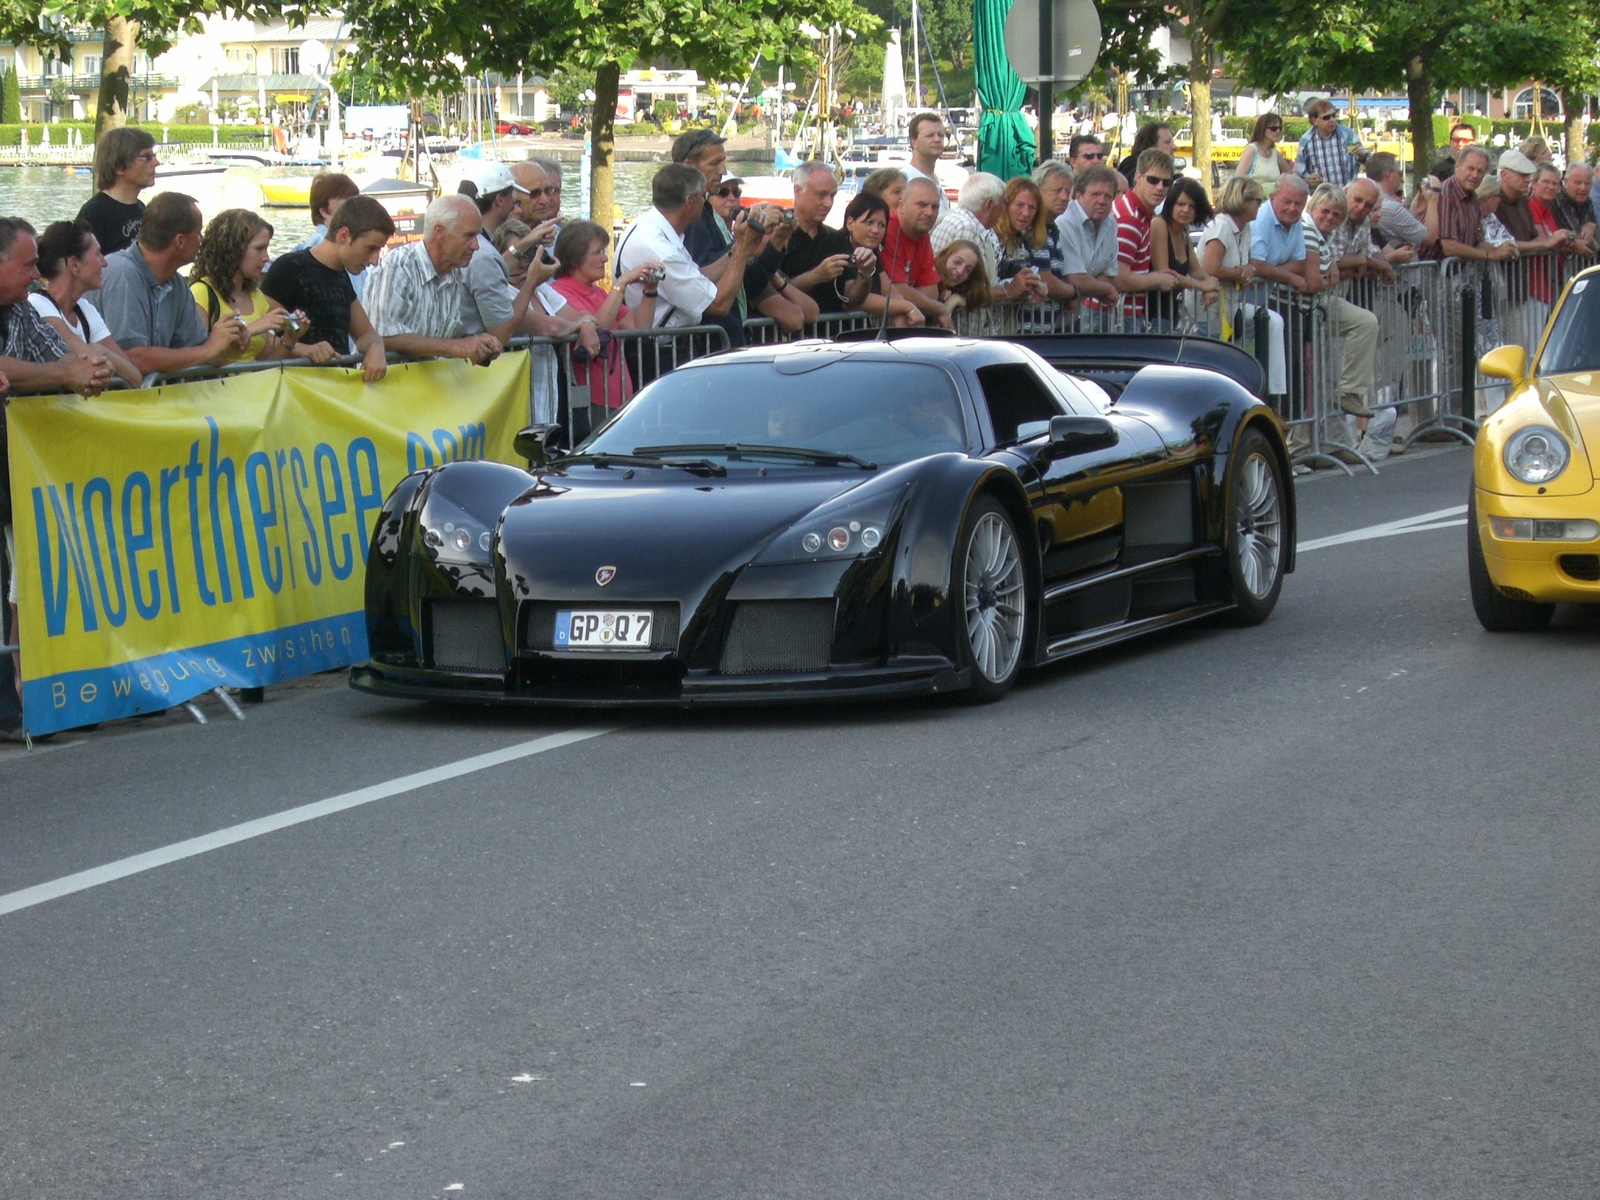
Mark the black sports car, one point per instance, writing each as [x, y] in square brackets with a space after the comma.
[829, 520]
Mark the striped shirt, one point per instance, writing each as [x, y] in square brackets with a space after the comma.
[959, 224]
[1459, 219]
[1399, 225]
[405, 294]
[24, 335]
[1133, 243]
[1328, 157]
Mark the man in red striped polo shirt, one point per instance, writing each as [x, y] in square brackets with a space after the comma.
[1152, 180]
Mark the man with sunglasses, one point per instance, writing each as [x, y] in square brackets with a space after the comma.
[1329, 152]
[538, 204]
[1152, 180]
[1085, 150]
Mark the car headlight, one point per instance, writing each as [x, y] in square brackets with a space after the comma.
[846, 528]
[453, 535]
[1536, 454]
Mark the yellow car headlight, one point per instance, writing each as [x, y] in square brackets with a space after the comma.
[1536, 454]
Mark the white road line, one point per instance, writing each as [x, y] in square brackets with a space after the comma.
[1439, 519]
[151, 859]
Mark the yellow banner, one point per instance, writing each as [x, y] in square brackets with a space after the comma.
[215, 533]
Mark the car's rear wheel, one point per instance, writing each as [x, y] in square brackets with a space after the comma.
[1497, 612]
[992, 587]
[1257, 525]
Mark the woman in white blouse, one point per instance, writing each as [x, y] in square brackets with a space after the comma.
[70, 263]
[1225, 252]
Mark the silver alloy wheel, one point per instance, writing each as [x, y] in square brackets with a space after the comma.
[995, 598]
[1258, 525]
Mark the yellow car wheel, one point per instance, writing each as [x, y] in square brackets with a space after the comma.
[1497, 612]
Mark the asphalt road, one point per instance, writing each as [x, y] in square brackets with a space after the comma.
[1299, 911]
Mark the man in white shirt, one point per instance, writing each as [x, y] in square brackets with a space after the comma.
[925, 133]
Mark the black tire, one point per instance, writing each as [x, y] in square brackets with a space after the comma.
[1497, 612]
[992, 608]
[1257, 527]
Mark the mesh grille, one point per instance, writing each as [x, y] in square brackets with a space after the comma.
[466, 636]
[779, 635]
[1582, 566]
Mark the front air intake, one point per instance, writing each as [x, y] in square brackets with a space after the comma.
[779, 635]
[464, 635]
[1582, 566]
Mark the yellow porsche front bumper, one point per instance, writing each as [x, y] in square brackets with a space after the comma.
[1550, 572]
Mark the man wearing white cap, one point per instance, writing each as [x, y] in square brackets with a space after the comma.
[499, 308]
[1530, 284]
[1516, 170]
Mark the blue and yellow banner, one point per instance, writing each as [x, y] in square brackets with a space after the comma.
[215, 533]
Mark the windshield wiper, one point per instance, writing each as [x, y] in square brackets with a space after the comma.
[698, 466]
[739, 450]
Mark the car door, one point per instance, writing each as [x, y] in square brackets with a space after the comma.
[1098, 511]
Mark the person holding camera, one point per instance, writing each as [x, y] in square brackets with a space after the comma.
[581, 257]
[819, 256]
[226, 286]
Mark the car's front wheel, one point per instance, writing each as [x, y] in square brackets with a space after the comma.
[992, 587]
[1257, 526]
[1497, 612]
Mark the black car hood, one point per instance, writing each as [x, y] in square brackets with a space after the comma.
[665, 533]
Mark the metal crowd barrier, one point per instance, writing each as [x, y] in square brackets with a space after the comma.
[629, 359]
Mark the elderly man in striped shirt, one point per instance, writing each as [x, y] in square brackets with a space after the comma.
[417, 295]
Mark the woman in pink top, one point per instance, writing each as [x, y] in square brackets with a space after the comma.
[581, 256]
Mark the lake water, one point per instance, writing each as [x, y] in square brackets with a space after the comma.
[43, 194]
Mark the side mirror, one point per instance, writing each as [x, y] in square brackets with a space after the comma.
[540, 443]
[1075, 435]
[1505, 362]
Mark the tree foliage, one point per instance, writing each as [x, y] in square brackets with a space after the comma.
[1423, 46]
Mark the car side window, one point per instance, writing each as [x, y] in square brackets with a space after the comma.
[1018, 401]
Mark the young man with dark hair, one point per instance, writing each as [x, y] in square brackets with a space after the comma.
[1083, 151]
[317, 281]
[124, 165]
[153, 317]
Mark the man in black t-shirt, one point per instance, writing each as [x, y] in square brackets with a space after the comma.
[318, 281]
[124, 165]
[817, 254]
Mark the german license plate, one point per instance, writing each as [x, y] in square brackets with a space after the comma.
[603, 629]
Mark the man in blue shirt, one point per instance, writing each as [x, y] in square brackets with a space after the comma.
[1277, 239]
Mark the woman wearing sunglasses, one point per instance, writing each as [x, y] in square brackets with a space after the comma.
[1261, 159]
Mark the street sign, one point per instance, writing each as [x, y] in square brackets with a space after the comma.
[1052, 41]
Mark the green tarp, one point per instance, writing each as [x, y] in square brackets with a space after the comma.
[1005, 143]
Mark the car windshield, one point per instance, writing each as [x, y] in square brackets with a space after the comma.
[878, 412]
[1574, 341]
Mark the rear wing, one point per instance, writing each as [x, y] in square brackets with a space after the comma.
[1111, 359]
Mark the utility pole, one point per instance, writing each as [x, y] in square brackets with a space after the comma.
[916, 54]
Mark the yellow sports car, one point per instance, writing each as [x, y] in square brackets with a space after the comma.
[1533, 520]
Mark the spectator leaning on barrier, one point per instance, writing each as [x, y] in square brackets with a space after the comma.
[1399, 228]
[33, 356]
[581, 255]
[1329, 152]
[1055, 180]
[125, 164]
[790, 308]
[1278, 239]
[1516, 174]
[677, 193]
[962, 283]
[976, 212]
[1572, 207]
[1226, 255]
[1089, 236]
[226, 286]
[532, 251]
[318, 282]
[818, 254]
[907, 254]
[1352, 245]
[329, 189]
[147, 308]
[1187, 207]
[866, 219]
[70, 264]
[925, 133]
[418, 293]
[1542, 195]
[1460, 222]
[1021, 232]
[1133, 211]
[1356, 328]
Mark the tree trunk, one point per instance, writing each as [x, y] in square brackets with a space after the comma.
[602, 144]
[1419, 92]
[116, 66]
[1576, 105]
[1200, 102]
